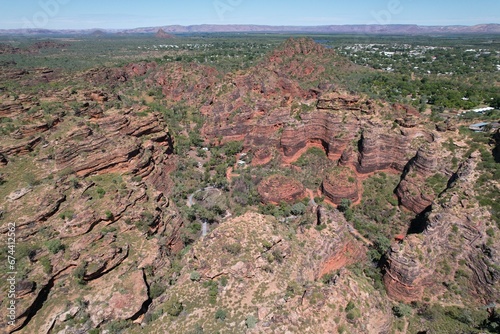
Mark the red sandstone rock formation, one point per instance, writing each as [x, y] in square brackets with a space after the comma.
[86, 152]
[453, 231]
[340, 183]
[336, 101]
[343, 249]
[412, 191]
[278, 188]
[262, 156]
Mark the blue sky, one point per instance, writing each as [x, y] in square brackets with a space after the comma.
[107, 14]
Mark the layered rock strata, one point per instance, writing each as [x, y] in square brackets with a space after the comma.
[412, 190]
[341, 183]
[454, 240]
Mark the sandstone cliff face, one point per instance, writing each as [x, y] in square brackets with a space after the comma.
[367, 146]
[452, 244]
[341, 183]
[382, 150]
[412, 190]
[336, 101]
[329, 129]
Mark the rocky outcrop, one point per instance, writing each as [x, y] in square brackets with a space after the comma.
[162, 34]
[453, 241]
[278, 188]
[261, 156]
[85, 152]
[20, 147]
[410, 121]
[340, 183]
[381, 149]
[336, 101]
[101, 264]
[37, 128]
[344, 250]
[115, 76]
[190, 82]
[328, 130]
[33, 48]
[413, 192]
[251, 249]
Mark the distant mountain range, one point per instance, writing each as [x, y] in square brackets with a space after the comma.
[405, 29]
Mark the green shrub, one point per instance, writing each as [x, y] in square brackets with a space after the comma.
[233, 147]
[173, 307]
[223, 281]
[344, 205]
[117, 326]
[198, 329]
[267, 245]
[213, 290]
[401, 310]
[137, 178]
[328, 278]
[251, 322]
[100, 192]
[195, 276]
[67, 214]
[298, 209]
[234, 248]
[353, 315]
[109, 215]
[220, 314]
[79, 274]
[55, 246]
[350, 306]
[156, 290]
[46, 264]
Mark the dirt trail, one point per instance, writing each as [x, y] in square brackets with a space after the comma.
[358, 235]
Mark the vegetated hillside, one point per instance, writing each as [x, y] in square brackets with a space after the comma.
[175, 196]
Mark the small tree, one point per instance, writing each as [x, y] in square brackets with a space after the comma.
[495, 103]
[401, 310]
[173, 307]
[344, 205]
[109, 215]
[298, 209]
[79, 274]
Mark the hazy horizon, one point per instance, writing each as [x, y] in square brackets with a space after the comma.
[114, 14]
